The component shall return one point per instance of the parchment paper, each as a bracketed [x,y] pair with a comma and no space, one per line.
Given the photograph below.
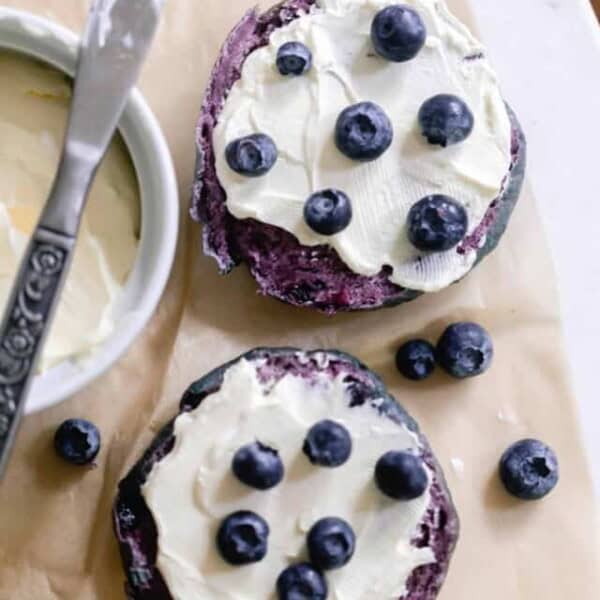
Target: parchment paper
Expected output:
[55,529]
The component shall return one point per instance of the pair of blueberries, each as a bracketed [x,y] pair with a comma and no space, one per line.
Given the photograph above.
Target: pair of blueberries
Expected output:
[242,537]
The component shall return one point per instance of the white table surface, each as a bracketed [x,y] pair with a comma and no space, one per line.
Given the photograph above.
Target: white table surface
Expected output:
[547,55]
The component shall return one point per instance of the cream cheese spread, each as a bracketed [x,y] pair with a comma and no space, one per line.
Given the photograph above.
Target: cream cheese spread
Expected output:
[192,489]
[299,113]
[34,101]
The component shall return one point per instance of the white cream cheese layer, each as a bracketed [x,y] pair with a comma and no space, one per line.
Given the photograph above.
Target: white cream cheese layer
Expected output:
[34,101]
[192,489]
[299,113]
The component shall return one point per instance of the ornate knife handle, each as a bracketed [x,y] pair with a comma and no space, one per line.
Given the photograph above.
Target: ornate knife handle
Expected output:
[28,316]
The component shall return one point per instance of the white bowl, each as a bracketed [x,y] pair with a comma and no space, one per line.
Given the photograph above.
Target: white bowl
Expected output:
[57,46]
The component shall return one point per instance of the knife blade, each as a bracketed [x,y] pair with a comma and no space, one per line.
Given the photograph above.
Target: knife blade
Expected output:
[116,40]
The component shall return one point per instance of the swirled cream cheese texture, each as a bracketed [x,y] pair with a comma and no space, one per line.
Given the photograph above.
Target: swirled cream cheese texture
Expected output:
[192,489]
[299,113]
[34,101]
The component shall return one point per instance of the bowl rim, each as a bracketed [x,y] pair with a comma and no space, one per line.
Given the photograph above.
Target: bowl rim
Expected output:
[53,44]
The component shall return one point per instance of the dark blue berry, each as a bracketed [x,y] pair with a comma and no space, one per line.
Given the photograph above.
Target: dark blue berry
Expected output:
[363,131]
[328,212]
[529,469]
[401,475]
[331,543]
[252,156]
[465,350]
[398,33]
[437,223]
[416,359]
[446,120]
[258,466]
[328,444]
[294,58]
[301,582]
[77,441]
[242,538]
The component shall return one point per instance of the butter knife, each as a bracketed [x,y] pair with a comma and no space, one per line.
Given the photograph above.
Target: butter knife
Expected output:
[115,42]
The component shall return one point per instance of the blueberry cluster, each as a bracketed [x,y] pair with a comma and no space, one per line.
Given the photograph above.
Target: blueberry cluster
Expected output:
[242,537]
[464,350]
[363,132]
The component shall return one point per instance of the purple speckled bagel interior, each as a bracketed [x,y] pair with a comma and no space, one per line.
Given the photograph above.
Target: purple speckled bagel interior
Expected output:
[135,527]
[283,268]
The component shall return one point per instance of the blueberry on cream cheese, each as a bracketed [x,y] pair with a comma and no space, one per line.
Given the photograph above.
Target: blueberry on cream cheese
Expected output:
[529,469]
[328,444]
[401,475]
[301,582]
[398,33]
[416,359]
[328,212]
[363,131]
[465,350]
[445,120]
[77,441]
[437,223]
[252,156]
[242,538]
[331,542]
[258,466]
[294,58]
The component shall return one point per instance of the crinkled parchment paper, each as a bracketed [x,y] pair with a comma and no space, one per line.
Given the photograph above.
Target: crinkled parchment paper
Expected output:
[55,529]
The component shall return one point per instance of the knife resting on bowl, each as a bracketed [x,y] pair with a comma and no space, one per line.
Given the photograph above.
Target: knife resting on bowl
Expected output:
[116,40]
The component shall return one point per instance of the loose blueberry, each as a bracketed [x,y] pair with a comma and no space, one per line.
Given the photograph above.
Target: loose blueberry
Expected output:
[398,33]
[294,58]
[328,444]
[401,475]
[465,350]
[252,156]
[258,466]
[242,538]
[446,120]
[328,212]
[363,131]
[416,359]
[437,223]
[77,441]
[529,470]
[331,543]
[301,582]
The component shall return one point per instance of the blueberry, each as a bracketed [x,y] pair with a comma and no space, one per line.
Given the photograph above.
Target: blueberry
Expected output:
[465,350]
[301,582]
[529,470]
[445,120]
[252,156]
[363,131]
[77,441]
[331,543]
[328,444]
[401,475]
[437,223]
[242,538]
[328,212]
[416,359]
[258,466]
[294,58]
[398,33]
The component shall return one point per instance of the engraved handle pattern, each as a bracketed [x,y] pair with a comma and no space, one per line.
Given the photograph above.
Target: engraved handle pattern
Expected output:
[26,320]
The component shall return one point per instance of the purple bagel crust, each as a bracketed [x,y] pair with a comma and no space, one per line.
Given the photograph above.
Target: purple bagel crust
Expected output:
[135,527]
[283,268]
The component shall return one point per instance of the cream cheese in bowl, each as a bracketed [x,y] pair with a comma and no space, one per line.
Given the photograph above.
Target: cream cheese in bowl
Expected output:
[34,101]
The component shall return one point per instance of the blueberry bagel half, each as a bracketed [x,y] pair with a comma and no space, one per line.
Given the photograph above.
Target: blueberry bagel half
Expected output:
[356,508]
[314,174]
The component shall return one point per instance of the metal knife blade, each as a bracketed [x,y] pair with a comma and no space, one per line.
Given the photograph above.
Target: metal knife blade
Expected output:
[115,42]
